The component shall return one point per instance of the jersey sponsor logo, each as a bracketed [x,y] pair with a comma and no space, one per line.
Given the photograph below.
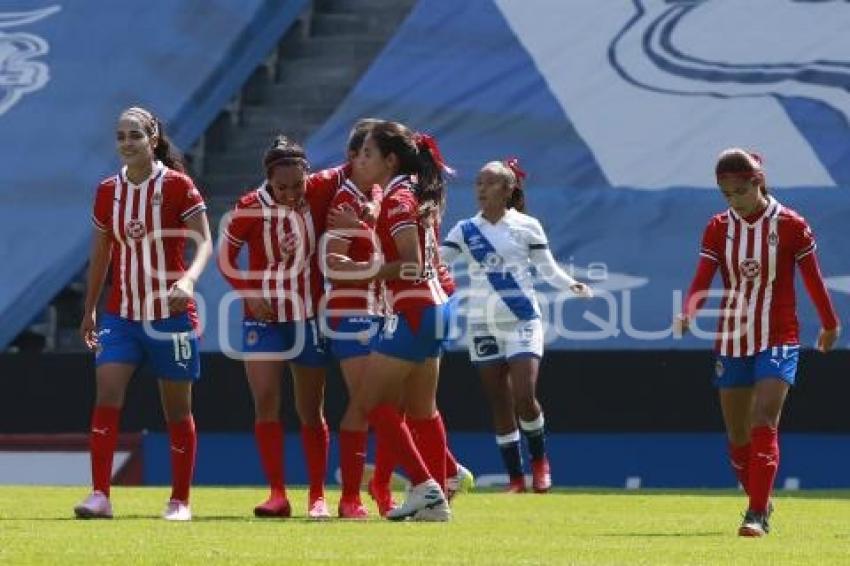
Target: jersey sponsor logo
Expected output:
[20,74]
[750,268]
[135,229]
[485,346]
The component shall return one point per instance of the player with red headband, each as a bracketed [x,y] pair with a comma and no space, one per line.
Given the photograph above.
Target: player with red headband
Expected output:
[414,330]
[501,244]
[281,223]
[142,217]
[756,244]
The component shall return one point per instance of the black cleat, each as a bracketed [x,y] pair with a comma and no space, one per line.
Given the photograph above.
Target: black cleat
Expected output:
[754,524]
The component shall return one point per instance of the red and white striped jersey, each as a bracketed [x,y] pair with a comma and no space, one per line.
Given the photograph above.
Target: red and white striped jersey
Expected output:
[147,226]
[756,257]
[287,275]
[353,299]
[400,210]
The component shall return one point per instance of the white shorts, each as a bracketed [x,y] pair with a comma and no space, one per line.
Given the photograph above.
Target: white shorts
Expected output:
[501,341]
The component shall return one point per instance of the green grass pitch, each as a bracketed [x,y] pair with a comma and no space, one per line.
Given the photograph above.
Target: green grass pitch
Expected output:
[563,527]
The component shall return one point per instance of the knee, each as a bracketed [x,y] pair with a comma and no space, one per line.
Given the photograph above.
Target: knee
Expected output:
[527,408]
[310,414]
[764,415]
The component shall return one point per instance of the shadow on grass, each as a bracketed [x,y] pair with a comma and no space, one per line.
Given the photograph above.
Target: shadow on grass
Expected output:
[664,535]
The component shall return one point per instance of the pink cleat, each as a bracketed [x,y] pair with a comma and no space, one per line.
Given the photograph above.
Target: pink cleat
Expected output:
[318,509]
[541,479]
[177,511]
[95,506]
[383,497]
[276,505]
[352,508]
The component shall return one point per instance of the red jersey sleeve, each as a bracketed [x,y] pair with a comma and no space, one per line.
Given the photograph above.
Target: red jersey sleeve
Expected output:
[101,216]
[322,188]
[711,247]
[804,239]
[234,235]
[401,211]
[191,201]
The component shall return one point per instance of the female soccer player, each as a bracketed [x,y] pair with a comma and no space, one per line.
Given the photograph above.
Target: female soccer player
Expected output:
[281,222]
[413,333]
[501,243]
[142,217]
[354,312]
[756,243]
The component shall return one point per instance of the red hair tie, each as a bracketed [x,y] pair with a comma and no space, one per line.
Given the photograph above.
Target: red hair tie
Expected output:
[512,163]
[428,141]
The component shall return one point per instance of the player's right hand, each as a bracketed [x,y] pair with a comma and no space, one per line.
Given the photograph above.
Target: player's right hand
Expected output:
[680,325]
[260,309]
[88,331]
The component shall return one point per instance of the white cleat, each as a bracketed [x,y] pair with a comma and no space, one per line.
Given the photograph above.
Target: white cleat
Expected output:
[461,483]
[177,511]
[424,502]
[95,506]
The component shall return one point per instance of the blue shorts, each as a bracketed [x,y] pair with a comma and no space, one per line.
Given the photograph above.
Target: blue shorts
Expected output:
[169,346]
[298,341]
[352,336]
[778,361]
[398,339]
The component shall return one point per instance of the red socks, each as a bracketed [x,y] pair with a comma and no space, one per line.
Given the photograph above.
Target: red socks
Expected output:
[102,441]
[315,440]
[739,459]
[352,458]
[183,447]
[430,438]
[392,432]
[764,462]
[451,463]
[269,436]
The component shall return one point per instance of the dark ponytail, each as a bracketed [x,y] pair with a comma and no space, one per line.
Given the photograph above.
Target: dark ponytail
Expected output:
[515,179]
[167,153]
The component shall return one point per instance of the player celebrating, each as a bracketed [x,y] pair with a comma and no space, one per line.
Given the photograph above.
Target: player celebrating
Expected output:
[142,217]
[501,243]
[756,243]
[354,312]
[281,222]
[414,331]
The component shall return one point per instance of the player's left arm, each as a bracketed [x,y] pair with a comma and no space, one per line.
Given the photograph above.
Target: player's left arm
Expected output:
[806,258]
[542,259]
[195,220]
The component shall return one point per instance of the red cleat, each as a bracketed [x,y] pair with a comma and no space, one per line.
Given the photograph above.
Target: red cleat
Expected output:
[383,497]
[516,485]
[541,479]
[274,506]
[352,509]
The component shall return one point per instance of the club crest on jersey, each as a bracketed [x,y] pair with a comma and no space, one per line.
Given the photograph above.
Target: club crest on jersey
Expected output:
[19,73]
[750,268]
[135,229]
[493,261]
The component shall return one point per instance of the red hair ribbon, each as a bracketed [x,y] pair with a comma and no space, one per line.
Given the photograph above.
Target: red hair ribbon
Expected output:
[428,141]
[512,163]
